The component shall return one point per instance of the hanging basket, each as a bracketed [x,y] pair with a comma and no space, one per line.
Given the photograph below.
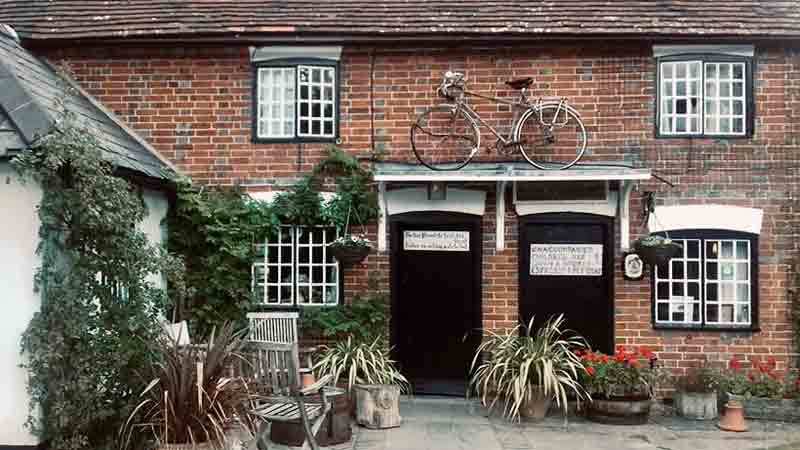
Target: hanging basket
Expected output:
[657,250]
[349,255]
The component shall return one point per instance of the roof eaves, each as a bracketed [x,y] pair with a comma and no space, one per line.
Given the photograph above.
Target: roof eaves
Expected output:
[30,118]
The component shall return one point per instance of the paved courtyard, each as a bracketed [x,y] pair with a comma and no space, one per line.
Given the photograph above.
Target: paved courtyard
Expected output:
[455,424]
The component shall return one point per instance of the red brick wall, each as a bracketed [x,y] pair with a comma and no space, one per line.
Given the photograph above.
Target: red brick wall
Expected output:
[194,105]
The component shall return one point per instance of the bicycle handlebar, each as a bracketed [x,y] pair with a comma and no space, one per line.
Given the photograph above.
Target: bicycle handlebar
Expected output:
[450,79]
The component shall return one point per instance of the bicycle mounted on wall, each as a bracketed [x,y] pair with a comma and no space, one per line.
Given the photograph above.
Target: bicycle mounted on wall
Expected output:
[548,133]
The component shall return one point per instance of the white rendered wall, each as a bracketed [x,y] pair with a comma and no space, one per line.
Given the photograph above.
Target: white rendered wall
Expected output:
[154,225]
[19,228]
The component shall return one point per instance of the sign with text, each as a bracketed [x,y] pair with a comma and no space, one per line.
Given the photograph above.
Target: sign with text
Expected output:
[442,241]
[567,259]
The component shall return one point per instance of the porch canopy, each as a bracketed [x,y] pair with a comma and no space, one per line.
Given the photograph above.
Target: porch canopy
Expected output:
[502,173]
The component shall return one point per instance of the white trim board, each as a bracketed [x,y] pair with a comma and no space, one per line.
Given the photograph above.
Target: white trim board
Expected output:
[603,208]
[399,201]
[722,217]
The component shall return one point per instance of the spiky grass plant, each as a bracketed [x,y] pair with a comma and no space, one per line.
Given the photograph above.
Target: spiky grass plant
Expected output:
[191,397]
[360,362]
[522,364]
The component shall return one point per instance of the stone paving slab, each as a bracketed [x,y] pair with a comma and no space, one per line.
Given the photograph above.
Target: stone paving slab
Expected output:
[431,423]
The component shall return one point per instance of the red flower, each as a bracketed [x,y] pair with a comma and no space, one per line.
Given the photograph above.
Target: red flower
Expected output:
[772,362]
[734,364]
[633,363]
[620,349]
[751,376]
[620,357]
[590,371]
[588,356]
[646,353]
[604,359]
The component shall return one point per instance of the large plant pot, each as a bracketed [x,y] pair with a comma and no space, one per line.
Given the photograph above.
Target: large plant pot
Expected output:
[619,411]
[378,405]
[349,255]
[697,405]
[236,439]
[784,410]
[537,407]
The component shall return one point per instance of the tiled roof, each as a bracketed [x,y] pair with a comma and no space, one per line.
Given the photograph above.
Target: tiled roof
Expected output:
[29,88]
[92,19]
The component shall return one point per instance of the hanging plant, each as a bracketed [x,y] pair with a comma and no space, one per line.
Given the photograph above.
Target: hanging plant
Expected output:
[350,249]
[657,250]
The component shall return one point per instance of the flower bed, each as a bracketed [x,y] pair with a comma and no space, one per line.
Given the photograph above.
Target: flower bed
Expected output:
[763,392]
[621,385]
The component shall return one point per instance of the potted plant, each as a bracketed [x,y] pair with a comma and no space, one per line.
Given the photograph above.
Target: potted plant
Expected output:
[696,395]
[657,250]
[190,402]
[350,249]
[368,372]
[621,386]
[763,392]
[525,369]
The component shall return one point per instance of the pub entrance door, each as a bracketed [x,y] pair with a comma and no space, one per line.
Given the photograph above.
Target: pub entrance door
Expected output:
[566,267]
[436,292]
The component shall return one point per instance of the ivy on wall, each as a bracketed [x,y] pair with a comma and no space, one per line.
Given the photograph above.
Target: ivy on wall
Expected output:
[98,308]
[214,229]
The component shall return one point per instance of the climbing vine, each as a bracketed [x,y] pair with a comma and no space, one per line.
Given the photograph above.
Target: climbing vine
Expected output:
[214,229]
[98,304]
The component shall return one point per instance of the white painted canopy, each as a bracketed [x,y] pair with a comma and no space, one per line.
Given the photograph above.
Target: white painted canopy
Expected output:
[720,217]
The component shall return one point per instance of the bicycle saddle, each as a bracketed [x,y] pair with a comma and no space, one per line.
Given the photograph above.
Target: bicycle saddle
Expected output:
[520,83]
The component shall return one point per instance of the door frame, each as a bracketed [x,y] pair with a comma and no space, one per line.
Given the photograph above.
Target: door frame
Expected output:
[571,218]
[396,221]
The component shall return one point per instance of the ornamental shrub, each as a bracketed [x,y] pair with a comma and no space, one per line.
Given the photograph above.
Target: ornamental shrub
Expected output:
[98,307]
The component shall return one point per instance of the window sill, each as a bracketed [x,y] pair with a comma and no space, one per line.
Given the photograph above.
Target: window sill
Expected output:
[715,137]
[333,140]
[711,328]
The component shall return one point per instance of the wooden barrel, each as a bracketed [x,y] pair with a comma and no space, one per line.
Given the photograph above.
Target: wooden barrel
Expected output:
[619,411]
[336,429]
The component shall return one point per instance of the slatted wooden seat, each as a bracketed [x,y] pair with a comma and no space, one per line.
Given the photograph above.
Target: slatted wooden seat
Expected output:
[271,370]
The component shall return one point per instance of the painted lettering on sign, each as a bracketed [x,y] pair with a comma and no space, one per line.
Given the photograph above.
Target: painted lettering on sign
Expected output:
[444,241]
[567,259]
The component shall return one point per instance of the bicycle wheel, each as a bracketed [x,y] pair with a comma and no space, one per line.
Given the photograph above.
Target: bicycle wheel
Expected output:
[444,138]
[551,138]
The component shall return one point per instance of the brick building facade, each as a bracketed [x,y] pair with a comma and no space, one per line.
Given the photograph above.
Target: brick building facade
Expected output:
[193,101]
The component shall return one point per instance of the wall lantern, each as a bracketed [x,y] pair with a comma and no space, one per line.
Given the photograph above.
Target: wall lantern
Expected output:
[437,190]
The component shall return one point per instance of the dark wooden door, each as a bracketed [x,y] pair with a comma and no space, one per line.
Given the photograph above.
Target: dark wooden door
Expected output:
[569,276]
[436,304]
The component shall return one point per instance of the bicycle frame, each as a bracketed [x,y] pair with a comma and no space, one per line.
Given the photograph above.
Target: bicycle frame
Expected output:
[523,104]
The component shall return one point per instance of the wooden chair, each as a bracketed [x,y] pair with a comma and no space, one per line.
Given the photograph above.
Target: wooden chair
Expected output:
[271,370]
[278,327]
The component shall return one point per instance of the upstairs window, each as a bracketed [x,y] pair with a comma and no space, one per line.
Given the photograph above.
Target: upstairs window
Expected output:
[296,96]
[705,95]
[712,285]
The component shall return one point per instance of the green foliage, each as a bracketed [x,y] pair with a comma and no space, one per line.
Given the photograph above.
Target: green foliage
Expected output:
[628,373]
[360,362]
[214,229]
[761,381]
[356,202]
[98,308]
[172,411]
[702,380]
[521,364]
[365,318]
[301,205]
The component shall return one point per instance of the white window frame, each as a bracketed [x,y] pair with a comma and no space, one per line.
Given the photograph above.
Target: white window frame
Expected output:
[667,102]
[328,107]
[288,241]
[711,274]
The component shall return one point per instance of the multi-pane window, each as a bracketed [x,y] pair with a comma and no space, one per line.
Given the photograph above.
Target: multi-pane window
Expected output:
[703,98]
[294,267]
[296,102]
[711,284]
